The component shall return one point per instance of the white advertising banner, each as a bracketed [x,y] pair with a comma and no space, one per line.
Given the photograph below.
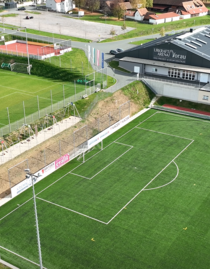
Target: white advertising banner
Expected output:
[98,138]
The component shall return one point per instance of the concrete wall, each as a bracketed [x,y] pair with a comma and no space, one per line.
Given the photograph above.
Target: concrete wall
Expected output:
[138,17]
[175,18]
[130,66]
[201,98]
[156,70]
[185,16]
[156,21]
[174,90]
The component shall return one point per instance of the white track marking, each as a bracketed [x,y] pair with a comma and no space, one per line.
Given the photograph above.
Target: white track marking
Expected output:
[163,133]
[149,183]
[72,210]
[177,168]
[20,256]
[123,144]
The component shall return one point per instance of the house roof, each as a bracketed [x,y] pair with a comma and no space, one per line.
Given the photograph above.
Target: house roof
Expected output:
[59,1]
[160,7]
[192,7]
[110,4]
[168,2]
[142,11]
[184,12]
[130,13]
[125,5]
[163,16]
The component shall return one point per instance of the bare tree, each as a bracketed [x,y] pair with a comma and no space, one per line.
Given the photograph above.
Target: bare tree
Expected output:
[118,10]
[80,3]
[162,31]
[93,5]
[138,3]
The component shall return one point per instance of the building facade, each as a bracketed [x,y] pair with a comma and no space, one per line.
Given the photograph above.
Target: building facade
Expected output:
[182,59]
[63,6]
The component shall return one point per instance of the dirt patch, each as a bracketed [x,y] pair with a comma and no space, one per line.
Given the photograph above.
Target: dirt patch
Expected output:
[106,113]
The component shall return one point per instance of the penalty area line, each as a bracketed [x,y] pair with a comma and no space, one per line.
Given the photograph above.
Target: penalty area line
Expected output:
[149,183]
[72,210]
[21,256]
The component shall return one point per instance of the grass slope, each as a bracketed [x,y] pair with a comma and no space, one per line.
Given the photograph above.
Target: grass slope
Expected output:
[148,232]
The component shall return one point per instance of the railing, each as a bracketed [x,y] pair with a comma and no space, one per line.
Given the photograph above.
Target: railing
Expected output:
[182,112]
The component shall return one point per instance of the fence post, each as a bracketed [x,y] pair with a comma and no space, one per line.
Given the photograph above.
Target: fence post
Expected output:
[8,119]
[75,90]
[63,96]
[38,106]
[51,101]
[24,112]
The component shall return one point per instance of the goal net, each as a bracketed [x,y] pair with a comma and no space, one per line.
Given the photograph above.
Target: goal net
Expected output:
[21,68]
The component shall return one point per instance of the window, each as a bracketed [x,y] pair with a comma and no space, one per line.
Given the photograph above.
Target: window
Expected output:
[205,97]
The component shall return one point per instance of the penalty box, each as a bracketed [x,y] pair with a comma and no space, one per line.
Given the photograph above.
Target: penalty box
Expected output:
[111,179]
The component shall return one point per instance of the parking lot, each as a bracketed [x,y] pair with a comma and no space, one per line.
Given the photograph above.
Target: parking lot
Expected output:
[63,24]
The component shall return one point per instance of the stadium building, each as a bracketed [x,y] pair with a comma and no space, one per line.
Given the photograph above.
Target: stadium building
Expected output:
[176,66]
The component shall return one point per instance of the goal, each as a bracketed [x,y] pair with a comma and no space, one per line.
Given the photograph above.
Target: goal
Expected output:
[21,68]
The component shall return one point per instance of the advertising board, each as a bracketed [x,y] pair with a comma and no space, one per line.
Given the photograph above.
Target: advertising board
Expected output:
[169,55]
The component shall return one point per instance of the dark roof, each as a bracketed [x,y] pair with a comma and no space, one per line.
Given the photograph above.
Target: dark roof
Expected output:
[197,42]
[169,2]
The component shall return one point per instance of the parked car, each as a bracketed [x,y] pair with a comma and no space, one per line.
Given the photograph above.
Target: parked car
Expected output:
[113,52]
[119,50]
[21,8]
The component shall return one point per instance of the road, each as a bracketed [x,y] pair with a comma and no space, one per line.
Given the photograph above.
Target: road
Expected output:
[122,78]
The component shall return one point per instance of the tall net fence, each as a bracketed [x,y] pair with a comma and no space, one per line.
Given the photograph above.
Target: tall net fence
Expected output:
[74,144]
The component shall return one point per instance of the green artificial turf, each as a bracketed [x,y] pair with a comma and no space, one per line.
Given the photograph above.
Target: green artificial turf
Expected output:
[132,224]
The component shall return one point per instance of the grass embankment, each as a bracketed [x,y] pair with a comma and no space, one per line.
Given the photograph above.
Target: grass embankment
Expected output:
[10,15]
[138,93]
[146,29]
[115,64]
[141,41]
[3,266]
[33,12]
[186,104]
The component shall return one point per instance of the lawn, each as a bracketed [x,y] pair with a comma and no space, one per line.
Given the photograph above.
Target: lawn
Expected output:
[47,77]
[141,202]
[142,29]
[141,41]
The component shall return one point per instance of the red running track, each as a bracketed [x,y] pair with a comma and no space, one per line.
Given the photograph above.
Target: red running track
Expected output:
[32,49]
[187,109]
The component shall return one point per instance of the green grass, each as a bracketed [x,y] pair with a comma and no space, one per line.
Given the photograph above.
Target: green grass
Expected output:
[3,266]
[186,104]
[141,41]
[46,76]
[148,232]
[146,29]
[33,12]
[10,15]
[115,64]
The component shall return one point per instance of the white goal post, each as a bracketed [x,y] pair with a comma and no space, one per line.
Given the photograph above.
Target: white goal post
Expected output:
[21,68]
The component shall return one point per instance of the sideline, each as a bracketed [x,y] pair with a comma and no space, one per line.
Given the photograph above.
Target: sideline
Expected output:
[8,264]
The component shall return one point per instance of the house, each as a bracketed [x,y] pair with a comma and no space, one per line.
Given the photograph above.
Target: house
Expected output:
[60,5]
[184,15]
[193,8]
[139,15]
[163,18]
[109,6]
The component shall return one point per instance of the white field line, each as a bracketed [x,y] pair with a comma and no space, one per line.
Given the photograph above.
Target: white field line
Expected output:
[16,208]
[2,124]
[72,210]
[76,167]
[7,95]
[177,168]
[124,144]
[149,183]
[80,176]
[164,133]
[21,256]
[187,117]
[107,165]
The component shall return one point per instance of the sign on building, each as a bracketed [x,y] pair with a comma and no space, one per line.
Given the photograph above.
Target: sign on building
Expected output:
[169,55]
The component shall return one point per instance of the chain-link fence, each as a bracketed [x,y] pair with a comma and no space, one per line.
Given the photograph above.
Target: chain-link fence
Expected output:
[73,144]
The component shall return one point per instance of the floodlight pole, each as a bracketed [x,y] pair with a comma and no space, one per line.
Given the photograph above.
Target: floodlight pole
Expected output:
[36,218]
[27,52]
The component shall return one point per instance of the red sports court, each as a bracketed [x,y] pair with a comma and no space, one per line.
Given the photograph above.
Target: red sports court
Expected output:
[39,50]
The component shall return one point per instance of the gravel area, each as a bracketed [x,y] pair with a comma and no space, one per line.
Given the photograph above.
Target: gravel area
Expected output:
[60,24]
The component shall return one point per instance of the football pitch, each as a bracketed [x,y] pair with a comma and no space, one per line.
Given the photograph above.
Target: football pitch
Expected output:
[16,88]
[140,202]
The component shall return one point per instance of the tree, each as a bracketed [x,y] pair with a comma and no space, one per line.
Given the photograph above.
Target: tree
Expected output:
[93,5]
[80,3]
[162,31]
[149,3]
[138,3]
[118,11]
